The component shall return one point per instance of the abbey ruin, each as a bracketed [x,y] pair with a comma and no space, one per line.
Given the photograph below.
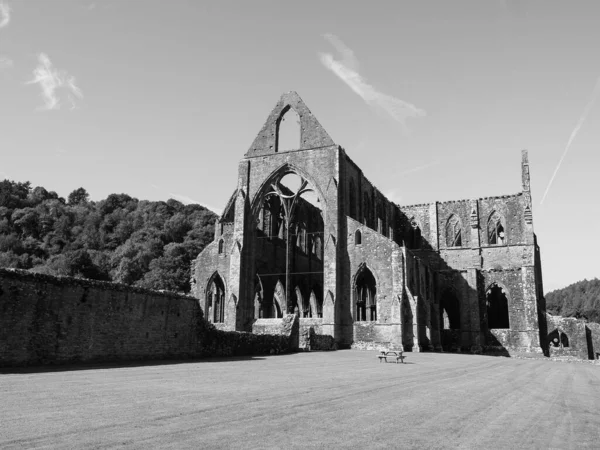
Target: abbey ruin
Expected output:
[306,232]
[308,254]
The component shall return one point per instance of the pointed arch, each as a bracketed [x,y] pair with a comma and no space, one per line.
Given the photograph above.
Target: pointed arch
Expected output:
[264,143]
[279,300]
[214,305]
[364,289]
[258,298]
[453,231]
[496,229]
[449,310]
[288,131]
[316,303]
[414,234]
[558,338]
[276,175]
[497,306]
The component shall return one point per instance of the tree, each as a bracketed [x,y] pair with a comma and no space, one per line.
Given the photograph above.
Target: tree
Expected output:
[79,195]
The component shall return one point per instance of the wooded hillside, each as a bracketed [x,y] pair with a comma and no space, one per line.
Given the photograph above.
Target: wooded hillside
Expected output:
[581,300]
[122,239]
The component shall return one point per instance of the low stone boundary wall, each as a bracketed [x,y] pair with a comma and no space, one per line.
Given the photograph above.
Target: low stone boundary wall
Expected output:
[58,320]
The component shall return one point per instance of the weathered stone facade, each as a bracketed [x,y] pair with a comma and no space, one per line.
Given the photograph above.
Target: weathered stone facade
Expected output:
[461,275]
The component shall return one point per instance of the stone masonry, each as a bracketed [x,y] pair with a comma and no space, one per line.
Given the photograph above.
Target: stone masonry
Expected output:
[459,275]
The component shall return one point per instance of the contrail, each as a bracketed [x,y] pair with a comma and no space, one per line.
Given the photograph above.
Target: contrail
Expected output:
[587,109]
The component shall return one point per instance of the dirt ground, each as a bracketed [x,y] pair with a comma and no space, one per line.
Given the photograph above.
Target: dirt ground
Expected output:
[344,399]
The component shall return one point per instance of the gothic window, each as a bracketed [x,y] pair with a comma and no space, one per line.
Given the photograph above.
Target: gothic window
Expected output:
[453,232]
[450,310]
[221,246]
[414,235]
[366,299]
[497,307]
[352,200]
[288,131]
[558,338]
[496,233]
[357,238]
[316,304]
[215,300]
[366,211]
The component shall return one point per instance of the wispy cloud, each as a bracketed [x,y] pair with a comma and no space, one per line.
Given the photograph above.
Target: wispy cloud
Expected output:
[6,63]
[50,80]
[4,14]
[394,196]
[187,200]
[574,133]
[421,167]
[347,71]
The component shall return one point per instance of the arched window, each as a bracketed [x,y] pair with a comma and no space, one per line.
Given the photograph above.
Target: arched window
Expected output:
[496,233]
[318,247]
[288,130]
[414,235]
[558,338]
[453,232]
[352,199]
[365,293]
[215,300]
[316,304]
[357,238]
[221,246]
[449,310]
[497,307]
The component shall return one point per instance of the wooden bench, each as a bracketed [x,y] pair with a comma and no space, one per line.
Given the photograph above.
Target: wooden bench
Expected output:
[392,354]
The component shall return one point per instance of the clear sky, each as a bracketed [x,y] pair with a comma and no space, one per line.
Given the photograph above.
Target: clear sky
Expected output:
[434,100]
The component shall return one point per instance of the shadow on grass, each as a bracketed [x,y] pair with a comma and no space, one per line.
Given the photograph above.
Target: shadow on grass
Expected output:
[96,365]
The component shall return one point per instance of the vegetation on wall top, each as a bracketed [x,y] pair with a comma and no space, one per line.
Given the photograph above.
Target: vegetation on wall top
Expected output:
[580,300]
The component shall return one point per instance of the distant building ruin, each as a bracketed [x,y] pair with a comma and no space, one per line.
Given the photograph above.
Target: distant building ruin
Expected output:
[306,232]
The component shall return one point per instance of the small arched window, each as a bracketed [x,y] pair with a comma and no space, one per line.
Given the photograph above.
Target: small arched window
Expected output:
[453,232]
[221,246]
[357,238]
[558,339]
[496,230]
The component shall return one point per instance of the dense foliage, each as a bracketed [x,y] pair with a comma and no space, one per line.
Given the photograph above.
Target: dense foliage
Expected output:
[122,239]
[581,300]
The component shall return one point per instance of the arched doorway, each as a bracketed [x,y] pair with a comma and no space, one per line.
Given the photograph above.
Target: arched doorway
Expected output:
[365,296]
[497,307]
[214,306]
[450,319]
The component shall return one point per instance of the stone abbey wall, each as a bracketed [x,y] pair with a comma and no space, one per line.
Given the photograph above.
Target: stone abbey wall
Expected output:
[428,277]
[55,320]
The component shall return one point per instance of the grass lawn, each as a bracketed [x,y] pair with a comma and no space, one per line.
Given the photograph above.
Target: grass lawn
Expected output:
[344,399]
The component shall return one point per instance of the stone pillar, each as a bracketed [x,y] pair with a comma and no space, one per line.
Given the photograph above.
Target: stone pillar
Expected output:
[236,269]
[530,338]
[415,323]
[475,316]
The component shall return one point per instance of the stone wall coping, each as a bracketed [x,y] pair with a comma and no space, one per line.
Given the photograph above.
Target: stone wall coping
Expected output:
[25,275]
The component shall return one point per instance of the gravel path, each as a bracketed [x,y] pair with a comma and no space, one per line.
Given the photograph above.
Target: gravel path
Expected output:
[344,399]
